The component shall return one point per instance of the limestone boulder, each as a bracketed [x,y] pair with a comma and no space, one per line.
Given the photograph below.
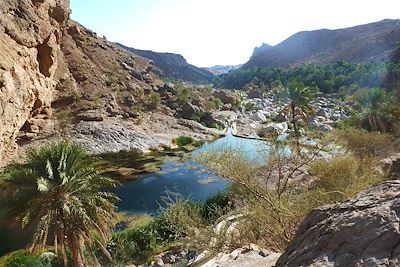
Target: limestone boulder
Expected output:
[363,231]
[258,117]
[189,110]
[227,97]
[255,94]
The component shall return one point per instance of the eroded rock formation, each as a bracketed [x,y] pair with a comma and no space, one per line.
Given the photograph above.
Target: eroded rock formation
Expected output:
[30,33]
[363,231]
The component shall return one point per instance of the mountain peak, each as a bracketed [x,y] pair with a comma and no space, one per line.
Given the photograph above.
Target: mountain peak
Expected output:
[358,44]
[260,49]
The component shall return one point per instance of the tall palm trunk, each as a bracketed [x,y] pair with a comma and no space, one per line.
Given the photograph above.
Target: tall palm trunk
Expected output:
[296,131]
[76,250]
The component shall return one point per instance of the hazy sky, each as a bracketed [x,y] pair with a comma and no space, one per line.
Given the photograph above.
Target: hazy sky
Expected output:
[211,32]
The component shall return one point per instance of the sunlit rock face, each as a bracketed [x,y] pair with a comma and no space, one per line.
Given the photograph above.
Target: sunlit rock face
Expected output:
[362,231]
[30,34]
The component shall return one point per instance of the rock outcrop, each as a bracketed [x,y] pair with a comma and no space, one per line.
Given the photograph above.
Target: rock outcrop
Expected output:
[391,166]
[363,231]
[30,38]
[110,136]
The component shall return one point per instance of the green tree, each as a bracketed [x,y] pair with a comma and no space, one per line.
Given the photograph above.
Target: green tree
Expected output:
[59,191]
[298,98]
[374,102]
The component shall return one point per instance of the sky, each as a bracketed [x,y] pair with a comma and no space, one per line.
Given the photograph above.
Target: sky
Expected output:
[220,32]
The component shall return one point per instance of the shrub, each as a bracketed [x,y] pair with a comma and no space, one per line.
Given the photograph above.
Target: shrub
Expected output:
[183,140]
[178,220]
[202,116]
[137,243]
[249,106]
[155,99]
[217,205]
[218,103]
[343,177]
[182,93]
[23,259]
[365,144]
[236,105]
[122,154]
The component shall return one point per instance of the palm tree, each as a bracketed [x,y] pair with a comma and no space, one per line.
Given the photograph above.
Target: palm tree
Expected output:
[298,98]
[375,102]
[60,192]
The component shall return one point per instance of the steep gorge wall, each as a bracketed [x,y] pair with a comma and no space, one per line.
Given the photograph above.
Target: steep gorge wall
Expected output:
[30,34]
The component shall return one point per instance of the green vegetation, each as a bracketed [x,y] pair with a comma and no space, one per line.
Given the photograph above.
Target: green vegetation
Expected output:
[342,178]
[59,191]
[249,106]
[202,116]
[155,99]
[299,97]
[379,109]
[364,144]
[22,258]
[177,225]
[183,140]
[337,77]
[182,93]
[218,103]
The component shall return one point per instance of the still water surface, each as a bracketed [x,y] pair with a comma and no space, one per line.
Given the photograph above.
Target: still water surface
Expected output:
[178,177]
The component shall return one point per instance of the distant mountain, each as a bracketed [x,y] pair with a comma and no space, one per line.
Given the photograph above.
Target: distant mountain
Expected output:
[261,49]
[173,66]
[373,41]
[221,69]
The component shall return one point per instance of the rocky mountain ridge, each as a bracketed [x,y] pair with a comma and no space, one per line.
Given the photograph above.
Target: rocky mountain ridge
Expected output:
[221,69]
[173,66]
[260,49]
[359,44]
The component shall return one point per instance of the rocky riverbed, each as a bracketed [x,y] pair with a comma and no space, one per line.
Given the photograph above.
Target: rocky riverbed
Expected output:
[266,114]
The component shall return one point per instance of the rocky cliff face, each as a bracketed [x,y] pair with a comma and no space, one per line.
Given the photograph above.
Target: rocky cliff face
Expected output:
[373,41]
[30,39]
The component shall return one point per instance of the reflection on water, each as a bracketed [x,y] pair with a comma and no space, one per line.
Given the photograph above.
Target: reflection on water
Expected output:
[188,180]
[182,178]
[178,177]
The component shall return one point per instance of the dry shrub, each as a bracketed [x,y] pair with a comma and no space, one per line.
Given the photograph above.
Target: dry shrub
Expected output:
[343,177]
[275,201]
[366,144]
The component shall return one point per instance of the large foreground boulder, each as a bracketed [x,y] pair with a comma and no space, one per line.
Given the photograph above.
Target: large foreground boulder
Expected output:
[363,231]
